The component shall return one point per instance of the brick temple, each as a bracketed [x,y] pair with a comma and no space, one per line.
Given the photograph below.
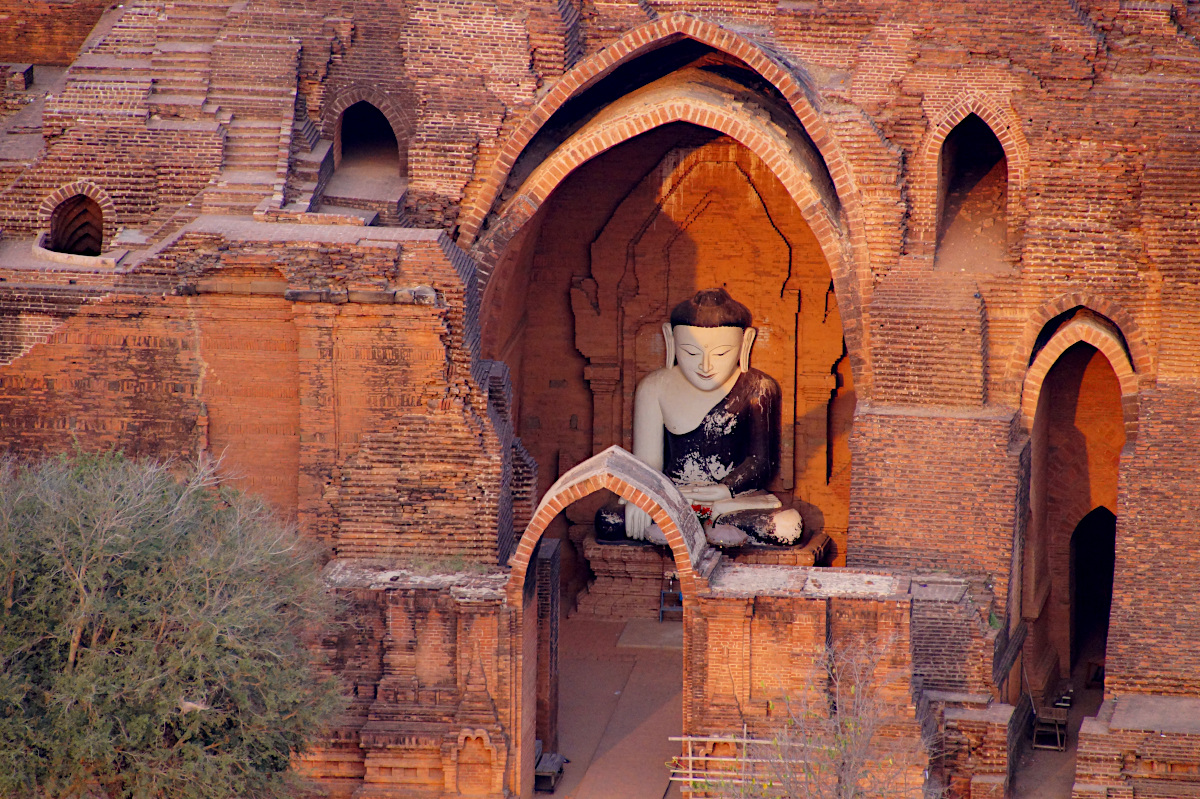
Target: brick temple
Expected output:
[401,263]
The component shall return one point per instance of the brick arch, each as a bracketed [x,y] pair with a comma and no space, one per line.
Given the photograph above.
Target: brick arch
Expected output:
[1135,339]
[1100,333]
[396,115]
[625,475]
[924,179]
[638,41]
[642,113]
[108,209]
[705,106]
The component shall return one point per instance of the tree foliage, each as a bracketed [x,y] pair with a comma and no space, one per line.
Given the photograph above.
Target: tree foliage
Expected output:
[152,634]
[854,735]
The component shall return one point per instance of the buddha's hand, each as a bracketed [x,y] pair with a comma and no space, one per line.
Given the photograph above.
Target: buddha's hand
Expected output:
[636,521]
[700,494]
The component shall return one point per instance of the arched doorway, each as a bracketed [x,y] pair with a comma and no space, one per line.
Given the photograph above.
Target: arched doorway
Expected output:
[1077,438]
[77,226]
[632,700]
[369,160]
[1093,558]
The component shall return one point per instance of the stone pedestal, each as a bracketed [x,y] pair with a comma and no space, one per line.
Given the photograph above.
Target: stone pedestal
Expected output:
[628,579]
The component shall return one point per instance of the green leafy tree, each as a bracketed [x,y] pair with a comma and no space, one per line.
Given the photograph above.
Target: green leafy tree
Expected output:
[153,635]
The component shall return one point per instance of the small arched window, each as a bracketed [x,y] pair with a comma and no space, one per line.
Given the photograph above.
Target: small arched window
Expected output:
[77,226]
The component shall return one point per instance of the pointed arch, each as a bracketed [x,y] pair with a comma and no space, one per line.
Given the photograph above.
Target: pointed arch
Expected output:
[926,171]
[397,116]
[1100,333]
[720,104]
[84,188]
[789,81]
[623,474]
[1134,338]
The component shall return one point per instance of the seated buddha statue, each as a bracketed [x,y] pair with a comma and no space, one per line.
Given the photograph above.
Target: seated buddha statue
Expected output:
[710,423]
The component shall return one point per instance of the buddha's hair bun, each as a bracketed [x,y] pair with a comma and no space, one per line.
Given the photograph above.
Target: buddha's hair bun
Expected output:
[711,308]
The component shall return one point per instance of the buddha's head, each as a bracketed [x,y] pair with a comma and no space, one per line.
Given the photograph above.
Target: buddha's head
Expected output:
[709,336]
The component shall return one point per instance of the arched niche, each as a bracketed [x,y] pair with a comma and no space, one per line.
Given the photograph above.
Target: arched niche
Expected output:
[577,313]
[365,136]
[972,199]
[370,132]
[77,227]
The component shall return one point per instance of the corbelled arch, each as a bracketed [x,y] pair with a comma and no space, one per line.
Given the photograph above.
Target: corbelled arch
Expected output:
[638,41]
[108,209]
[1100,333]
[721,105]
[625,475]
[925,174]
[848,260]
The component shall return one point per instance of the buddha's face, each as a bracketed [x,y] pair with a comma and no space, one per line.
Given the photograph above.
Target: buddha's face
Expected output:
[708,356]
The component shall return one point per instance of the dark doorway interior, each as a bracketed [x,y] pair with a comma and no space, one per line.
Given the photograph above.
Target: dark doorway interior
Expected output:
[367,135]
[77,226]
[1093,557]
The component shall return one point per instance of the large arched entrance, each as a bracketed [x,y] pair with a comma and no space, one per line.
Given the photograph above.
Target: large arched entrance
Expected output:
[683,169]
[1078,434]
[1078,390]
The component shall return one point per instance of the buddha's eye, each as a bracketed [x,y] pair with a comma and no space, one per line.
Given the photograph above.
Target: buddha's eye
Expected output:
[719,351]
[691,350]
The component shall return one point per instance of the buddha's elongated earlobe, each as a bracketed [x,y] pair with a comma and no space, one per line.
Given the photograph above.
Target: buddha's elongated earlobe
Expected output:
[669,338]
[747,343]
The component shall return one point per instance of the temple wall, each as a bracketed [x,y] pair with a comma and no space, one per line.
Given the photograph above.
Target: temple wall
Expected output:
[47,32]
[341,370]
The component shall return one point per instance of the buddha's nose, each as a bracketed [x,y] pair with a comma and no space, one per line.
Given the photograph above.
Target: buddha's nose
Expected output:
[706,362]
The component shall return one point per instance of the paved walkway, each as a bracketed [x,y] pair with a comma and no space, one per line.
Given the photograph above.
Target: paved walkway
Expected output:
[619,702]
[1046,774]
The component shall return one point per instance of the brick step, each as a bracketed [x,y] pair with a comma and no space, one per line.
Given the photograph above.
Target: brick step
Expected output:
[305,132]
[312,165]
[189,36]
[186,48]
[185,106]
[222,85]
[236,198]
[249,106]
[208,14]
[178,89]
[180,59]
[250,159]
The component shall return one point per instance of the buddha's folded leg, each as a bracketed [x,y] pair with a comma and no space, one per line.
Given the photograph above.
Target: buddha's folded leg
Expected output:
[779,526]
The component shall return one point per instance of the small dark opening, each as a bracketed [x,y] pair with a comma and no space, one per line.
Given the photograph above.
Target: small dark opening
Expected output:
[367,135]
[77,226]
[1093,559]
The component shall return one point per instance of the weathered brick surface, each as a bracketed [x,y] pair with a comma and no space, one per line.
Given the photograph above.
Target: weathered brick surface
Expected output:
[47,32]
[793,151]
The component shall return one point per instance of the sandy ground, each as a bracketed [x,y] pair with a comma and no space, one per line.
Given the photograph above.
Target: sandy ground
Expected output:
[619,703]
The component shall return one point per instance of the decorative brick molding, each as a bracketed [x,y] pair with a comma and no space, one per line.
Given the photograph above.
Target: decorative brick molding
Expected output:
[1104,336]
[87,189]
[623,474]
[638,41]
[925,177]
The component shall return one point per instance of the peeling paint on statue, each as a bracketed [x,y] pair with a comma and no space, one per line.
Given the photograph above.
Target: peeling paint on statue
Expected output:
[710,423]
